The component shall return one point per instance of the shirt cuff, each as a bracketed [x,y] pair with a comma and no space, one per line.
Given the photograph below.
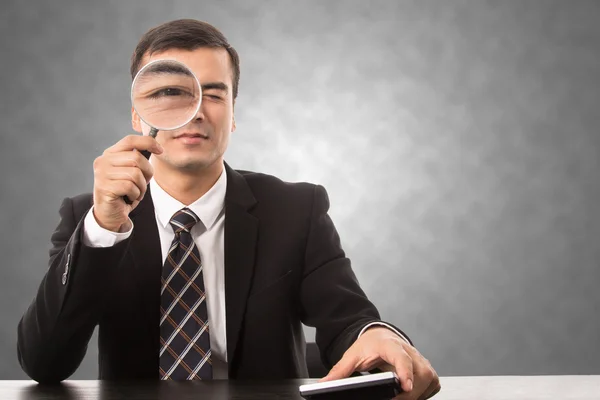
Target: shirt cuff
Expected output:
[96,236]
[383,324]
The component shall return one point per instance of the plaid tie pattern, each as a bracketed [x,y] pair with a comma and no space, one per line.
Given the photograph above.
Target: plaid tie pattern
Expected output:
[184,335]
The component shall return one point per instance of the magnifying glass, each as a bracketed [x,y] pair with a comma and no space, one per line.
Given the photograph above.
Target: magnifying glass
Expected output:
[166,95]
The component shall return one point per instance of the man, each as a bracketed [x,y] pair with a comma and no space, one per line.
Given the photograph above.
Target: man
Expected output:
[210,272]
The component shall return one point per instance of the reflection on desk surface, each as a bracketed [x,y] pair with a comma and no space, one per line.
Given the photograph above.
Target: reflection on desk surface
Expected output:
[578,387]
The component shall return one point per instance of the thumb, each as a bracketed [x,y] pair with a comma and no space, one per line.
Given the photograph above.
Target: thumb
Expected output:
[343,369]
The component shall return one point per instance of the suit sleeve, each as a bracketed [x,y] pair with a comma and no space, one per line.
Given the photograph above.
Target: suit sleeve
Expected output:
[331,297]
[53,334]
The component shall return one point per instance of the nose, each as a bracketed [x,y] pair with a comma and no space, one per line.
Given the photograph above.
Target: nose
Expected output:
[199,117]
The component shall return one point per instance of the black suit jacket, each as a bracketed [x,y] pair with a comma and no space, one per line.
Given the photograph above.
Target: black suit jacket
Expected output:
[284,266]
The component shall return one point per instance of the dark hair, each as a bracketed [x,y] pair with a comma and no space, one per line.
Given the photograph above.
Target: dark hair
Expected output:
[186,34]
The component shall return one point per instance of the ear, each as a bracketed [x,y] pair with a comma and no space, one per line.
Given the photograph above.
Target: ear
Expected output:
[232,123]
[135,121]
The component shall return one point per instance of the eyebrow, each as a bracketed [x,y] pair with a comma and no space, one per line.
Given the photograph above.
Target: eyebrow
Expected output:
[161,68]
[215,85]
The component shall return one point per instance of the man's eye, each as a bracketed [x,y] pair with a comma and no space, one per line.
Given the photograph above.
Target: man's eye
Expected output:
[166,92]
[213,96]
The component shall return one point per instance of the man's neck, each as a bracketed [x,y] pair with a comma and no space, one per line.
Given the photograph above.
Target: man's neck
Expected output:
[187,187]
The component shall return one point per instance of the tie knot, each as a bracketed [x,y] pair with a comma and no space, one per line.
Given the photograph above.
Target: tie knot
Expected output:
[183,220]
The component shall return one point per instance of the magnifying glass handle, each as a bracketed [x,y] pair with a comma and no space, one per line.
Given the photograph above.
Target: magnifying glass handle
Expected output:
[146,154]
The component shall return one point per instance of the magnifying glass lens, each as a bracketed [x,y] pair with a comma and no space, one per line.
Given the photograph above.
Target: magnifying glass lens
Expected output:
[166,94]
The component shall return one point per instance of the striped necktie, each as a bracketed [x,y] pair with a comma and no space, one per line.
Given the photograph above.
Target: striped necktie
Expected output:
[184,335]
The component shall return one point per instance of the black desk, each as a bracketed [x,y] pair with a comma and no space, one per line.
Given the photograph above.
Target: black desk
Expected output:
[92,390]
[578,387]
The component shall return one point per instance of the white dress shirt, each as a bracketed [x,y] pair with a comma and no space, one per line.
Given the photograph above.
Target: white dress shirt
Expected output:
[208,234]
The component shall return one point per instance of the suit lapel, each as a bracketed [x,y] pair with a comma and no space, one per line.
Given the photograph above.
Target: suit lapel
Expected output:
[145,240]
[241,231]
[146,254]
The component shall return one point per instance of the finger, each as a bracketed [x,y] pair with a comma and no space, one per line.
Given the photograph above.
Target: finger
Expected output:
[403,366]
[132,174]
[429,375]
[126,188]
[432,390]
[109,189]
[343,369]
[136,142]
[131,159]
[426,379]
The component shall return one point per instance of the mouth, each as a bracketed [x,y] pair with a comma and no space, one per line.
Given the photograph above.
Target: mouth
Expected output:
[192,136]
[192,139]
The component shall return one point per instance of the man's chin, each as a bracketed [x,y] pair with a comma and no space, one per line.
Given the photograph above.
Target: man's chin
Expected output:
[191,165]
[187,163]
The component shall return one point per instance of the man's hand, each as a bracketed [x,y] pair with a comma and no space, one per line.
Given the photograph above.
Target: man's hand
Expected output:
[381,348]
[119,172]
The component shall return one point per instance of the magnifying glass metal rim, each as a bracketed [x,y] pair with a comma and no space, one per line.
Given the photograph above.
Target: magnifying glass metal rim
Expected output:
[158,128]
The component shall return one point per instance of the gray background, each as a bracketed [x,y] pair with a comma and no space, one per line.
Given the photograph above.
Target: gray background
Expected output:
[458,141]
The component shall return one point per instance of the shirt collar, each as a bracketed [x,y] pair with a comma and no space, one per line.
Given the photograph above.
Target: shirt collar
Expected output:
[207,208]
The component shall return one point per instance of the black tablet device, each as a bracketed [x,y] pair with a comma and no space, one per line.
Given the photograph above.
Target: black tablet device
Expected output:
[380,386]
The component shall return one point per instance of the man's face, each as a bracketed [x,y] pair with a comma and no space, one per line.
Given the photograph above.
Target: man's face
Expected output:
[214,120]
